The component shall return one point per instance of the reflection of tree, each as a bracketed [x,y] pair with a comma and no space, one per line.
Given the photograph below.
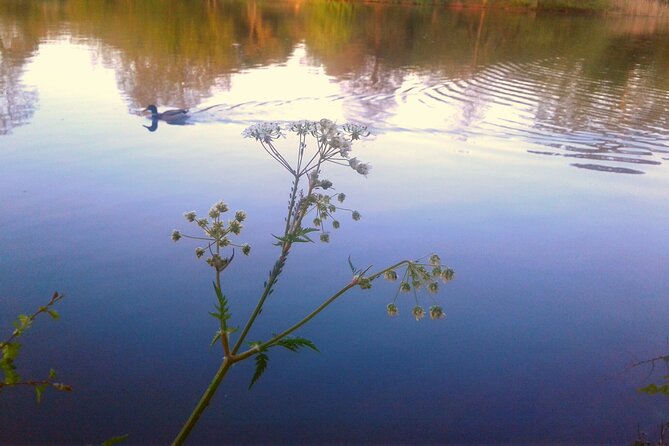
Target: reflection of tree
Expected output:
[173,53]
[17,103]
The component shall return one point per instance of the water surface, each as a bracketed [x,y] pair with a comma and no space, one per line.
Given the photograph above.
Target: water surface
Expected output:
[530,151]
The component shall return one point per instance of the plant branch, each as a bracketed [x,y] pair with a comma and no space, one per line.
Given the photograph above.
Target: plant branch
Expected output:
[56,385]
[313,314]
[44,309]
[224,325]
[204,401]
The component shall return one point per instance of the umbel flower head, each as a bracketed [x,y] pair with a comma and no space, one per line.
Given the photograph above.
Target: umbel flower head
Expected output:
[333,143]
[217,234]
[318,143]
[419,275]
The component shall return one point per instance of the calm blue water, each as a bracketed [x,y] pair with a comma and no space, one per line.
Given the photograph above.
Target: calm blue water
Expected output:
[561,261]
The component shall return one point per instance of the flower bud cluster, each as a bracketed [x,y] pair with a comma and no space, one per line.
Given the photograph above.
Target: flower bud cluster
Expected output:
[324,206]
[216,233]
[419,275]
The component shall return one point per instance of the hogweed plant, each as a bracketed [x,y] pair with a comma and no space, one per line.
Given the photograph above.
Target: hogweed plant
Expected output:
[312,209]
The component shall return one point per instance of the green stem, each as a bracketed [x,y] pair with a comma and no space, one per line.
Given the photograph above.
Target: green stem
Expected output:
[225,342]
[204,402]
[313,314]
[293,196]
[274,275]
[278,266]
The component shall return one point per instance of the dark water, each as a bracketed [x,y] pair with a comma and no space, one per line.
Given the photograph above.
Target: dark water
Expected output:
[530,151]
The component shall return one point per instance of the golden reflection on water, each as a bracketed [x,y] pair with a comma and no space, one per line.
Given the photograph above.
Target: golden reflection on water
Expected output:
[560,82]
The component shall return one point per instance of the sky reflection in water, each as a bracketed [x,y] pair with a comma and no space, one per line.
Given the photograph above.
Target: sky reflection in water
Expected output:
[561,272]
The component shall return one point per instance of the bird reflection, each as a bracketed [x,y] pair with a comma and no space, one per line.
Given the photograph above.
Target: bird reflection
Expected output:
[177,116]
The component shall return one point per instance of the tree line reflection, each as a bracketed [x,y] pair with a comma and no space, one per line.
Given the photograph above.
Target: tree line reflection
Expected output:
[178,53]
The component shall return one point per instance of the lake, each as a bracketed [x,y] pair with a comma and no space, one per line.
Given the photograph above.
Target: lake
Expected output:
[529,151]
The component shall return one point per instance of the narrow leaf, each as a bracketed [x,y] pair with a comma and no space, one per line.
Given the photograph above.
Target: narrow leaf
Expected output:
[217,336]
[351,265]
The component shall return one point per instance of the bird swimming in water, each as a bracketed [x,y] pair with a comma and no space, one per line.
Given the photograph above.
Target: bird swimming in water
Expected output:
[175,115]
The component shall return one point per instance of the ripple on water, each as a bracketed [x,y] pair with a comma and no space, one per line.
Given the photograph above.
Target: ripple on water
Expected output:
[551,105]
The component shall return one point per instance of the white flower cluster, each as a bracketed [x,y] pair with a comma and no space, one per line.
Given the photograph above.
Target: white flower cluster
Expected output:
[334,141]
[216,234]
[264,131]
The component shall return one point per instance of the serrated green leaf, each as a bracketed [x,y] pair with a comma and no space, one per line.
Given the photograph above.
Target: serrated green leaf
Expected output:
[223,313]
[261,365]
[294,344]
[10,351]
[115,440]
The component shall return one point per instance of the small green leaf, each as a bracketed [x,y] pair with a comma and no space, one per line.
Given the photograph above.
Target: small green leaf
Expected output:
[52,374]
[38,392]
[53,313]
[650,389]
[115,440]
[10,351]
[261,365]
[217,336]
[22,324]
